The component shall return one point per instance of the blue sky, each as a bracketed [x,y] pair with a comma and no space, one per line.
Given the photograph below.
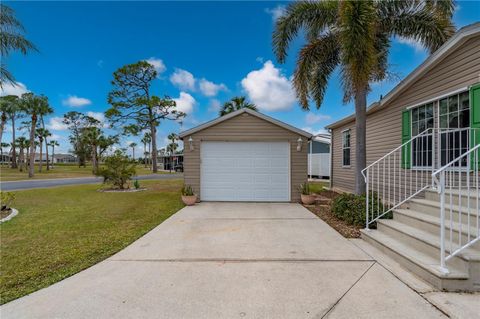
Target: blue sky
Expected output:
[206,53]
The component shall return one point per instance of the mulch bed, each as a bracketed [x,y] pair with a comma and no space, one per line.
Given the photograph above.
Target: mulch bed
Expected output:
[323,211]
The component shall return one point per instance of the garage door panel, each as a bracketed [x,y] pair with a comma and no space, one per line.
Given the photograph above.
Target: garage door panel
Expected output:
[245,171]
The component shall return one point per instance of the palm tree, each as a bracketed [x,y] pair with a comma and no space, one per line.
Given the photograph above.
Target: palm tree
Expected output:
[32,105]
[133,145]
[145,140]
[53,143]
[2,145]
[4,106]
[41,135]
[22,144]
[46,110]
[172,147]
[10,111]
[91,136]
[235,104]
[355,37]
[11,39]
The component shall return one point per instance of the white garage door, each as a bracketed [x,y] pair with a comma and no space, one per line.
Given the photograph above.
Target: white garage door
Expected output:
[245,171]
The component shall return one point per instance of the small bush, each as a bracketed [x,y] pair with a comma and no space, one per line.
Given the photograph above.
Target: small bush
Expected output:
[118,170]
[6,199]
[136,184]
[187,190]
[352,208]
[304,188]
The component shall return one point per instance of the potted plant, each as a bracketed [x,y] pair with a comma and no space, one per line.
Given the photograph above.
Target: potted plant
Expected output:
[188,197]
[306,194]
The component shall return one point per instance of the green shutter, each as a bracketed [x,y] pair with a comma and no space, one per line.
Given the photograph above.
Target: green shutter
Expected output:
[405,138]
[475,116]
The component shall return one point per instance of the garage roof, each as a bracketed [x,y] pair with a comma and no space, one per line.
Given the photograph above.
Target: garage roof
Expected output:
[251,112]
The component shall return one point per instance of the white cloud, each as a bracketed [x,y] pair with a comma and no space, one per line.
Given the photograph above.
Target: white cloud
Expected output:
[211,89]
[315,131]
[214,105]
[99,116]
[312,118]
[75,101]
[13,89]
[183,79]
[412,43]
[269,89]
[185,102]
[56,124]
[157,64]
[276,12]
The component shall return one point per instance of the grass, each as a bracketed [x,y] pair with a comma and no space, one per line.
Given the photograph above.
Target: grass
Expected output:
[61,231]
[59,171]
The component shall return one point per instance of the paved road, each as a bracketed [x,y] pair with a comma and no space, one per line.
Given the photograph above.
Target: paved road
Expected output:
[43,183]
[231,260]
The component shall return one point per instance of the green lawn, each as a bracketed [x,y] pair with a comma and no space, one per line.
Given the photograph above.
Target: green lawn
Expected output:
[61,231]
[59,171]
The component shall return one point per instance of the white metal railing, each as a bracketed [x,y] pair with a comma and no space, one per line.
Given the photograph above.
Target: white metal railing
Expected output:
[408,170]
[459,193]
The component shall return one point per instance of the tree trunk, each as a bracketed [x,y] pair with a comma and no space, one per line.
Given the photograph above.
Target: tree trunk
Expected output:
[2,125]
[360,139]
[149,154]
[31,167]
[53,154]
[41,149]
[46,145]
[145,155]
[21,159]
[94,159]
[14,152]
[133,153]
[153,129]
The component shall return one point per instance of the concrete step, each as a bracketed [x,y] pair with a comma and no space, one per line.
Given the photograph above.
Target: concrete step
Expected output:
[422,264]
[457,196]
[431,224]
[433,208]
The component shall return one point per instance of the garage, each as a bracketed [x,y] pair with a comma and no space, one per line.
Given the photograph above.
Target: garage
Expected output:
[245,156]
[245,171]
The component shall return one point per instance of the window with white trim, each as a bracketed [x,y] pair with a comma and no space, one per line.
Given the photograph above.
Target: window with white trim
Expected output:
[346,148]
[422,120]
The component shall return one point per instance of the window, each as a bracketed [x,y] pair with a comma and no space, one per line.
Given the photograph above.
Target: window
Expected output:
[346,147]
[454,119]
[422,120]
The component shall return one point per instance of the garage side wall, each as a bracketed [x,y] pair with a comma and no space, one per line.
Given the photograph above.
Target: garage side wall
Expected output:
[241,128]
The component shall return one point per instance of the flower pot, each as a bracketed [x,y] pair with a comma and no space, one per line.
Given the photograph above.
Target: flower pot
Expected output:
[308,199]
[189,200]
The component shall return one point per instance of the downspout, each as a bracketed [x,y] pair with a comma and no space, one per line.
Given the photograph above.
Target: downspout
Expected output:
[330,178]
[310,159]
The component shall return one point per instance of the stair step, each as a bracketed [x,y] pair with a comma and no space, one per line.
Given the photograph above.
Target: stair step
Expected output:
[431,224]
[433,208]
[431,242]
[423,264]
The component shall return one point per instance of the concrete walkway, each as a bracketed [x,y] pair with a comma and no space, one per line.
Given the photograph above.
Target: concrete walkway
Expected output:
[55,182]
[231,260]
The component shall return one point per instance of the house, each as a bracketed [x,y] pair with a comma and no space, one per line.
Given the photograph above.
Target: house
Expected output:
[319,156]
[64,158]
[170,161]
[423,154]
[245,156]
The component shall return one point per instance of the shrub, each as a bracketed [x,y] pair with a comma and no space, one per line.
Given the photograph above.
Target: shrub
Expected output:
[136,184]
[118,170]
[6,199]
[304,188]
[352,208]
[187,190]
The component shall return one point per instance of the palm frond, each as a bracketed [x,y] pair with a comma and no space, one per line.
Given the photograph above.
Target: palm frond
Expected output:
[316,62]
[314,16]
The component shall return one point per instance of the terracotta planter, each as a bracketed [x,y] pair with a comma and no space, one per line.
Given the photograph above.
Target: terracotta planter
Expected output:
[189,200]
[308,199]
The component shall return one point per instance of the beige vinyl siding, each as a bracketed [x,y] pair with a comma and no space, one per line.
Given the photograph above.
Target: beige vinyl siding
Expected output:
[245,127]
[459,69]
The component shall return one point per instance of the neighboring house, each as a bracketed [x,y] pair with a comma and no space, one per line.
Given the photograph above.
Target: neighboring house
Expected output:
[319,156]
[422,161]
[245,156]
[64,158]
[167,162]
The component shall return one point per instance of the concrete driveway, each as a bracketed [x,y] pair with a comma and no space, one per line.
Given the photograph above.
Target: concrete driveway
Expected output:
[231,260]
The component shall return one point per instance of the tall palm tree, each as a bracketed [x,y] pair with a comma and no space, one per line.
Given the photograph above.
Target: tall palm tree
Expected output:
[172,147]
[145,140]
[22,144]
[14,112]
[355,37]
[53,143]
[4,106]
[235,104]
[11,39]
[32,105]
[91,137]
[133,145]
[41,134]
[46,110]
